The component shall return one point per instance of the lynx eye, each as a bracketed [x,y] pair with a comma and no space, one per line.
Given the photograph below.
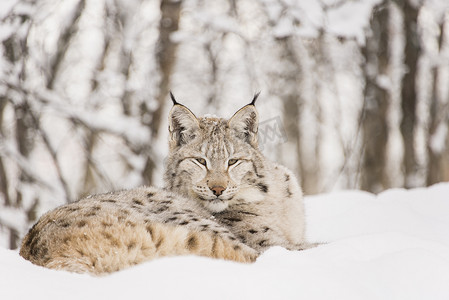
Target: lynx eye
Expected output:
[201,161]
[232,161]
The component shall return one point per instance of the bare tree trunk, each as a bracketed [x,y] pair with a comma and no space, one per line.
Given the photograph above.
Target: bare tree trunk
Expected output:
[165,55]
[408,92]
[292,101]
[63,44]
[437,144]
[3,179]
[311,172]
[374,122]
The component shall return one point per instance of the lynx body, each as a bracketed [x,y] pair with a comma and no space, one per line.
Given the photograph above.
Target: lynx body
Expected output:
[222,199]
[108,232]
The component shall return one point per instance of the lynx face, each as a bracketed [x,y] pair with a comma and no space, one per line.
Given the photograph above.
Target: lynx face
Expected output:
[214,160]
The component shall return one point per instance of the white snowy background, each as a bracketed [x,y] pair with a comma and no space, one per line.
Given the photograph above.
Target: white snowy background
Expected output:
[394,245]
[82,108]
[391,246]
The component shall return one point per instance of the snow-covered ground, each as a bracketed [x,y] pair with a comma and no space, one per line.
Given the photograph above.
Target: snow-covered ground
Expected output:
[391,246]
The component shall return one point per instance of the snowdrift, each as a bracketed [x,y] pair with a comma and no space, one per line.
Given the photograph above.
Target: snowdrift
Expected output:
[391,246]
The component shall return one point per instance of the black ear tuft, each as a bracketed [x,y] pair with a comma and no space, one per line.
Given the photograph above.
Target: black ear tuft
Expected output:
[173,98]
[256,95]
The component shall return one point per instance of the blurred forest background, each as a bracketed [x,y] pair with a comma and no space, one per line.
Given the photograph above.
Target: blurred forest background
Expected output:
[355,93]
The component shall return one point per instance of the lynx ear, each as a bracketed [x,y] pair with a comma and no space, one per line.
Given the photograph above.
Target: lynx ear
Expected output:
[245,123]
[182,125]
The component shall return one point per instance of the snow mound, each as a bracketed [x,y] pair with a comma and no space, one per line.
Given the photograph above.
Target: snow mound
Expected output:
[391,246]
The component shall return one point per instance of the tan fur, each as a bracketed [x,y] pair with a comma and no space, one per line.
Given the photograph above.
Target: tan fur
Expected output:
[225,201]
[261,202]
[109,232]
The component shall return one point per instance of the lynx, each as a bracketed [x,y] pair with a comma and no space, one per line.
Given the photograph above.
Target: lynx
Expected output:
[222,199]
[216,162]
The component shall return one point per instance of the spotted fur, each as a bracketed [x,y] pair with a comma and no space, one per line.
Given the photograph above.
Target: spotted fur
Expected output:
[108,232]
[261,202]
[222,199]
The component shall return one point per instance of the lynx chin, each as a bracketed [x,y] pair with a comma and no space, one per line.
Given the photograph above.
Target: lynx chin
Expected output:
[222,199]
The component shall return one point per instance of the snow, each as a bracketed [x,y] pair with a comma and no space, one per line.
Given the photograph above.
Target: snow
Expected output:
[391,246]
[351,18]
[13,218]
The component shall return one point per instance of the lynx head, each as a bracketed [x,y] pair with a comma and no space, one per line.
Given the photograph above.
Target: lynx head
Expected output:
[213,160]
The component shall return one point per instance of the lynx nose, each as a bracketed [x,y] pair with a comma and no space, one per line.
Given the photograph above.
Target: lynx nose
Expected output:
[217,190]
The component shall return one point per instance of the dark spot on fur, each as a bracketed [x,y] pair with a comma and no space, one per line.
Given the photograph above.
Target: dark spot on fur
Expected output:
[263,187]
[262,243]
[80,252]
[66,240]
[131,245]
[149,229]
[287,177]
[232,238]
[172,219]
[289,193]
[184,223]
[114,243]
[96,208]
[237,247]
[121,218]
[248,213]
[266,229]
[178,213]
[34,251]
[192,243]
[90,214]
[72,209]
[137,201]
[159,242]
[195,220]
[149,195]
[161,209]
[130,224]
[64,224]
[252,231]
[106,235]
[106,224]
[109,200]
[165,202]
